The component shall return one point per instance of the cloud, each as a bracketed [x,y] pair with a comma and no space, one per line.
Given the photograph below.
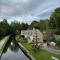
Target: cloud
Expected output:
[25,19]
[27,10]
[16,7]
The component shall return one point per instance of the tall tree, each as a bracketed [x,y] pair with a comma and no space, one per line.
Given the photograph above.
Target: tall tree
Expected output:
[37,38]
[55,20]
[43,25]
[24,26]
[4,27]
[34,24]
[14,26]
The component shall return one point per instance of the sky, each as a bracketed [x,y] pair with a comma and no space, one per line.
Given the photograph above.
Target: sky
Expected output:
[27,10]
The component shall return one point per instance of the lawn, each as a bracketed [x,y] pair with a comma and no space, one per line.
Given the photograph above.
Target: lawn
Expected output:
[41,54]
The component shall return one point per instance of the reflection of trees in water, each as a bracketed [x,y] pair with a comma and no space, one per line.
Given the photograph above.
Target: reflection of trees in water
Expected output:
[0,57]
[13,47]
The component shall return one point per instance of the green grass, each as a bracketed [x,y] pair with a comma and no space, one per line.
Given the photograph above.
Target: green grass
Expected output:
[41,54]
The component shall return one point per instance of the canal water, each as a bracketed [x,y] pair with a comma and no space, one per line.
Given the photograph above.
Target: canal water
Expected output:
[13,52]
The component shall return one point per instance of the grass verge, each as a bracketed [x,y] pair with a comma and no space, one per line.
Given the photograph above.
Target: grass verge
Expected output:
[40,54]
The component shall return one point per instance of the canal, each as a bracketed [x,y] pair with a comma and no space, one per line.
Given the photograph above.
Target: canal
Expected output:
[12,52]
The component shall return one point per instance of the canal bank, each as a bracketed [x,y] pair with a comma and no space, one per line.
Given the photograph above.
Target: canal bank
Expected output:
[3,43]
[26,52]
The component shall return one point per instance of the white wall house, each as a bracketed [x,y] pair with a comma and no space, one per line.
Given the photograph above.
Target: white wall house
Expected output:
[29,34]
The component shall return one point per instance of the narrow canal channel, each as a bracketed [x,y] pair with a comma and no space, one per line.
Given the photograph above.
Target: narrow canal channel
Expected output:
[12,52]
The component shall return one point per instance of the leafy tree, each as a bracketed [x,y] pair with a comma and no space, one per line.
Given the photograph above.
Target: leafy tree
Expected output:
[55,20]
[34,24]
[4,27]
[43,25]
[36,40]
[24,26]
[15,26]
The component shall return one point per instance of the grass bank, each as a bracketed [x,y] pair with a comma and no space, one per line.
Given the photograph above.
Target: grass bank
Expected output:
[41,54]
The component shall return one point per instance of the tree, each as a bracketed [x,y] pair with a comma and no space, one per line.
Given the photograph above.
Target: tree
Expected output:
[4,27]
[43,25]
[34,24]
[15,26]
[24,26]
[36,39]
[54,22]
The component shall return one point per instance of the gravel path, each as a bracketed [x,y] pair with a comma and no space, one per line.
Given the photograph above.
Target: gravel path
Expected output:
[52,50]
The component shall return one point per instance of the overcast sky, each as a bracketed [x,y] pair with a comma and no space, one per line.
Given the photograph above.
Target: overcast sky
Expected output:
[27,10]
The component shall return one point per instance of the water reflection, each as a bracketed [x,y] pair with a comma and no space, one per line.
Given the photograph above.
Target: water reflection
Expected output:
[12,51]
[14,47]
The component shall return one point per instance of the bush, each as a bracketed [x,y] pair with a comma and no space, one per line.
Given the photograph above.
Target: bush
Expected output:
[57,37]
[58,42]
[57,32]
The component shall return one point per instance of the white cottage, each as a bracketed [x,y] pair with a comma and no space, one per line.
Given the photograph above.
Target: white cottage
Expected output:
[29,34]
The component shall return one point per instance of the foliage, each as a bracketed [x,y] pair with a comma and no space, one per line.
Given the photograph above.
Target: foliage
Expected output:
[21,39]
[4,28]
[55,20]
[34,24]
[35,40]
[57,38]
[13,28]
[41,25]
[24,26]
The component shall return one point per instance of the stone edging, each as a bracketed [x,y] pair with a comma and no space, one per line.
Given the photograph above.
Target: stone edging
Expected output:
[4,45]
[26,52]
